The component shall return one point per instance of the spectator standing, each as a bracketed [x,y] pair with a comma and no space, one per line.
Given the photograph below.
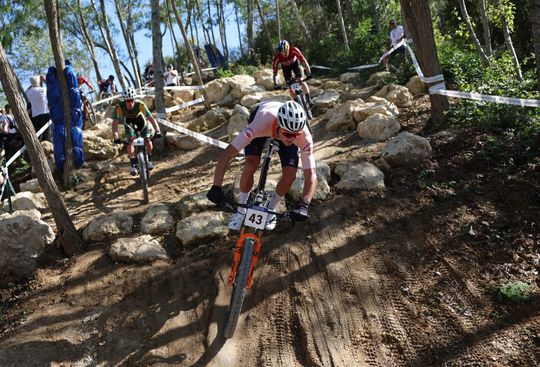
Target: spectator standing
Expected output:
[37,105]
[397,33]
[171,76]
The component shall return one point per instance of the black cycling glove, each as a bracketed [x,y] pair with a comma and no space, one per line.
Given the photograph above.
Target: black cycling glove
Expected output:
[308,76]
[216,195]
[117,141]
[300,214]
[276,87]
[158,135]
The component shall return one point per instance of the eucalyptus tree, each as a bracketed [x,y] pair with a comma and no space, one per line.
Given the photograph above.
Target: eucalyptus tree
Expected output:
[157,58]
[485,26]
[265,26]
[474,39]
[80,16]
[301,21]
[342,26]
[418,16]
[238,26]
[534,14]
[220,12]
[507,22]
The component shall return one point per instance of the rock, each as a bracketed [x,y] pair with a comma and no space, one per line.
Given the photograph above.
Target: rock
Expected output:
[327,100]
[194,203]
[332,84]
[237,123]
[98,148]
[251,99]
[362,93]
[217,89]
[24,237]
[406,149]
[149,102]
[31,186]
[349,77]
[202,226]
[379,78]
[157,220]
[321,193]
[397,94]
[240,91]
[26,200]
[264,78]
[139,249]
[363,111]
[363,176]
[181,141]
[416,86]
[341,118]
[229,100]
[239,109]
[323,169]
[378,127]
[209,120]
[184,95]
[108,226]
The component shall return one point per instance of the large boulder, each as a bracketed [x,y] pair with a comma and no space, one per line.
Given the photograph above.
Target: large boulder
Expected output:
[363,176]
[378,127]
[349,77]
[416,85]
[202,226]
[217,89]
[264,78]
[30,185]
[149,102]
[157,220]
[240,91]
[372,106]
[139,249]
[98,148]
[341,118]
[26,200]
[237,123]
[240,80]
[379,78]
[108,226]
[327,100]
[181,141]
[209,120]
[321,192]
[194,203]
[251,99]
[184,95]
[397,94]
[332,84]
[239,109]
[406,149]
[23,238]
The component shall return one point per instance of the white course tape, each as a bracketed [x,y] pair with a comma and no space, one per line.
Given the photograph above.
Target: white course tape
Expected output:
[21,151]
[106,100]
[181,87]
[193,134]
[184,105]
[369,66]
[361,67]
[440,89]
[320,67]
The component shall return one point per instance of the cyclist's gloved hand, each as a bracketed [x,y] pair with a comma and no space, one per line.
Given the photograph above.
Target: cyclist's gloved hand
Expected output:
[158,135]
[117,141]
[216,195]
[276,87]
[300,214]
[308,76]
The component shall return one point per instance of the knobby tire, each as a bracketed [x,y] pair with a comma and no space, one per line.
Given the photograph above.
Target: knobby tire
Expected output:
[239,288]
[90,119]
[141,158]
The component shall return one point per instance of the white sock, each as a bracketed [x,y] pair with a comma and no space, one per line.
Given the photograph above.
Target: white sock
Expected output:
[275,201]
[242,199]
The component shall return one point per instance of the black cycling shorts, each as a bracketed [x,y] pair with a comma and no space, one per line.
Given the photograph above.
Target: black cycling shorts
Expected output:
[287,70]
[288,155]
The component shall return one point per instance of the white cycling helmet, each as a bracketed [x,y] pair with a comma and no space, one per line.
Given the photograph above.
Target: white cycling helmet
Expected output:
[128,93]
[292,117]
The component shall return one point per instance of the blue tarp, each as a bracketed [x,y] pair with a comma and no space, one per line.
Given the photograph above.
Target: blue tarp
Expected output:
[213,51]
[54,97]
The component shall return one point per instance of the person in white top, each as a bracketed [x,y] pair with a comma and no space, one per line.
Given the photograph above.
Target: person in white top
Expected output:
[285,122]
[38,105]
[397,33]
[171,76]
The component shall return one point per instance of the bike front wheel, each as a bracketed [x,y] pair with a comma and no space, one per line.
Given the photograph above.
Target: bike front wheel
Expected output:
[143,172]
[239,288]
[90,118]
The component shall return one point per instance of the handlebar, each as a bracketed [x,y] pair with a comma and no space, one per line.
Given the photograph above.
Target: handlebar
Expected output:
[291,81]
[232,207]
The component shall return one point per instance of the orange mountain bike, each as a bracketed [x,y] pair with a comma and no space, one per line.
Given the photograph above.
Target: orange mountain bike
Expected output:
[248,245]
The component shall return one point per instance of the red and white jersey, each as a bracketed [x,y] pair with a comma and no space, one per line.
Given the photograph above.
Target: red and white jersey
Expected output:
[265,124]
[293,55]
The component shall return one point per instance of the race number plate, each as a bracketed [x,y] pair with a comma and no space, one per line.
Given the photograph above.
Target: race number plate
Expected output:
[295,87]
[256,218]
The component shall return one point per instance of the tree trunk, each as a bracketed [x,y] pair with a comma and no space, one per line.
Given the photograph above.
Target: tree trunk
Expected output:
[87,39]
[374,15]
[249,29]
[238,27]
[485,26]
[418,16]
[206,34]
[342,26]
[278,18]
[157,59]
[68,237]
[510,46]
[265,26]
[211,22]
[56,44]
[190,54]
[127,40]
[353,21]
[222,29]
[301,21]
[176,44]
[474,39]
[534,14]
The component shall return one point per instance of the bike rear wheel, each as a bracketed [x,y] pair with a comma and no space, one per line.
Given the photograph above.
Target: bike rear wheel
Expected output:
[143,172]
[90,118]
[239,288]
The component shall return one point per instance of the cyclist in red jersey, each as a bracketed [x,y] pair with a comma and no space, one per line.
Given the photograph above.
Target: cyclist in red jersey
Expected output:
[290,59]
[83,80]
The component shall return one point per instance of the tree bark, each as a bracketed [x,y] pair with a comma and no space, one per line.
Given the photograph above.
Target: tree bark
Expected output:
[485,26]
[476,42]
[265,26]
[418,16]
[210,21]
[68,237]
[238,27]
[190,54]
[298,16]
[342,26]
[374,15]
[278,18]
[353,21]
[87,39]
[157,59]
[176,44]
[222,30]
[249,29]
[534,14]
[127,40]
[510,47]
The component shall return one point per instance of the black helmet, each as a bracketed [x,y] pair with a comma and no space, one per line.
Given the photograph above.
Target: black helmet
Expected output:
[111,77]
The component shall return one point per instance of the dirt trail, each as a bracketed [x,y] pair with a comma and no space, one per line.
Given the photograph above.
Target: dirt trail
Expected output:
[389,279]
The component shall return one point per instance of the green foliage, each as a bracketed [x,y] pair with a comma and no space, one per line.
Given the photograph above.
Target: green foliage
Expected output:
[238,68]
[517,292]
[222,73]
[23,167]
[76,178]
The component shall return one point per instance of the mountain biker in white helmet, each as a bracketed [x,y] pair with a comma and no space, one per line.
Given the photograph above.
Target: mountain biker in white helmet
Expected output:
[133,114]
[287,123]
